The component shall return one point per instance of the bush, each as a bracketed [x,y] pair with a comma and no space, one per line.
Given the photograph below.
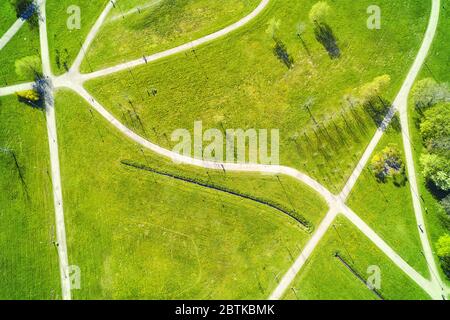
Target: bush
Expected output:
[443,252]
[29,95]
[427,93]
[435,128]
[445,203]
[388,163]
[436,169]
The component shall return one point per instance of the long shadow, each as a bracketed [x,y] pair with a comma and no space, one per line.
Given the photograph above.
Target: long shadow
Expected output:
[325,36]
[291,213]
[280,51]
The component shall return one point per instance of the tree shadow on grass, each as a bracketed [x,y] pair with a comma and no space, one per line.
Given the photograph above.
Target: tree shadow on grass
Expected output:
[325,36]
[378,110]
[280,51]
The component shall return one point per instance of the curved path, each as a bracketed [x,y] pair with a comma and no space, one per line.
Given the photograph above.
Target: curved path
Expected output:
[81,78]
[74,80]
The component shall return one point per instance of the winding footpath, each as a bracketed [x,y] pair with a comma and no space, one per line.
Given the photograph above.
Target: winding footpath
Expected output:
[74,80]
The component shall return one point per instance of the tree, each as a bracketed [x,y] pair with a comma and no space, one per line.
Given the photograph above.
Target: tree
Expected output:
[372,90]
[272,28]
[435,127]
[437,170]
[319,13]
[387,163]
[445,203]
[427,93]
[443,252]
[28,95]
[28,67]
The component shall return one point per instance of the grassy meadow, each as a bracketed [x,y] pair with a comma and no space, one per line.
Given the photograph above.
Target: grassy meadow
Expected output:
[325,277]
[137,234]
[159,25]
[388,209]
[28,259]
[238,82]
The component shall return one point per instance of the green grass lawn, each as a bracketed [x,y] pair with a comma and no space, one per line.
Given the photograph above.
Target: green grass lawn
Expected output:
[325,277]
[24,43]
[64,43]
[164,25]
[28,259]
[388,209]
[437,66]
[237,82]
[8,16]
[137,234]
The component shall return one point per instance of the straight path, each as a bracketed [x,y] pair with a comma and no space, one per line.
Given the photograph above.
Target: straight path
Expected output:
[54,157]
[11,32]
[6,91]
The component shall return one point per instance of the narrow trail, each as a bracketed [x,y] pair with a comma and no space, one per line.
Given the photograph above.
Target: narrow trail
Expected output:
[11,32]
[54,157]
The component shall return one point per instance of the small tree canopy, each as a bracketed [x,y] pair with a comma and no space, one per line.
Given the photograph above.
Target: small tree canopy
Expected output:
[428,92]
[319,12]
[443,246]
[28,67]
[29,95]
[435,125]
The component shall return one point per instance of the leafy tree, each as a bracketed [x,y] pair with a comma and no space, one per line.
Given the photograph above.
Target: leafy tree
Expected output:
[319,13]
[428,92]
[28,67]
[272,28]
[443,252]
[29,95]
[435,127]
[387,163]
[372,90]
[445,203]
[437,170]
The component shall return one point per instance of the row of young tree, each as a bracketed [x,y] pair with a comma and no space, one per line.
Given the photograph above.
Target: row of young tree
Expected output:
[432,103]
[318,17]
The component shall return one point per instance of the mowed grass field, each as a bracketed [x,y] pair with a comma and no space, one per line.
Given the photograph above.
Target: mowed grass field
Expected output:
[137,234]
[28,259]
[388,208]
[65,43]
[8,16]
[24,43]
[436,67]
[159,25]
[238,82]
[325,277]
